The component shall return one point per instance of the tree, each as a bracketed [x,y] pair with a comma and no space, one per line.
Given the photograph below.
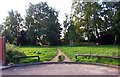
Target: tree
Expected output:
[82,18]
[12,26]
[94,17]
[71,34]
[69,30]
[78,19]
[42,24]
[115,30]
[22,38]
[65,29]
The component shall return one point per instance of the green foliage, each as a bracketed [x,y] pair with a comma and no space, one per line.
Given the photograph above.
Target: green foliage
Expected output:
[93,18]
[70,31]
[12,51]
[41,26]
[42,23]
[12,26]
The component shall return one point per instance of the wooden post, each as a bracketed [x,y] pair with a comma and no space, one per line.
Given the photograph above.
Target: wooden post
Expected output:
[2,50]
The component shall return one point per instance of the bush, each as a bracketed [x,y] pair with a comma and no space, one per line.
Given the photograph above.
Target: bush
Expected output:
[12,51]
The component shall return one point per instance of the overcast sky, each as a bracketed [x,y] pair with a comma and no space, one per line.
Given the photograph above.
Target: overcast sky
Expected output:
[64,6]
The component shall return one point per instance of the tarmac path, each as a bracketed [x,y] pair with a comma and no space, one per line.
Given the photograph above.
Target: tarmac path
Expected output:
[61,69]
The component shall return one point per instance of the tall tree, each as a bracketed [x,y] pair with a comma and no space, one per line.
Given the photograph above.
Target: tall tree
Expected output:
[94,17]
[42,24]
[69,30]
[65,29]
[12,26]
[115,30]
[71,34]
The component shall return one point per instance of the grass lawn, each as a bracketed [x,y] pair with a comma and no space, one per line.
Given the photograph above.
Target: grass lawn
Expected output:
[104,50]
[45,53]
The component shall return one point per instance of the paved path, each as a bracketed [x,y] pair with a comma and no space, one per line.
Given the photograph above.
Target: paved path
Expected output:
[61,69]
[60,53]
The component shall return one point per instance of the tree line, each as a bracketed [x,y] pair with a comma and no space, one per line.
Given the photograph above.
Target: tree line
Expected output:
[93,22]
[88,22]
[40,26]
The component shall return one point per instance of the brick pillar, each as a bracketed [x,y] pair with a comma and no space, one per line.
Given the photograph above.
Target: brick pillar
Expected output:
[2,50]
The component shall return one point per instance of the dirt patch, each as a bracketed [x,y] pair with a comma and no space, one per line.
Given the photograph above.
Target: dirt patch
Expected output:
[60,53]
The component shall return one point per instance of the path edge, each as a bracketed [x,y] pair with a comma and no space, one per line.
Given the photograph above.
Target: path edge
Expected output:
[41,63]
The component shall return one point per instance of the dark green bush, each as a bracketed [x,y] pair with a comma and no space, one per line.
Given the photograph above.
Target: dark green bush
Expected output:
[12,51]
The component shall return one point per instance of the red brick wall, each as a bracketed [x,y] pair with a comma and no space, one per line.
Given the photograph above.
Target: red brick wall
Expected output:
[2,50]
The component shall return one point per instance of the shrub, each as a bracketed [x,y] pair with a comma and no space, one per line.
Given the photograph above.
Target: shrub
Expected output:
[12,51]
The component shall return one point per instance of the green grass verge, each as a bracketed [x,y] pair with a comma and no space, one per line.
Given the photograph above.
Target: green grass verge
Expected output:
[104,50]
[45,53]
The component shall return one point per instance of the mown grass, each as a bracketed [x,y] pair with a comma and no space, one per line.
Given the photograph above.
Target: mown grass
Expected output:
[45,53]
[104,50]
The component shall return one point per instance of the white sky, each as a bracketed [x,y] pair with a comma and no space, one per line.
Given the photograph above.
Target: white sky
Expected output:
[64,6]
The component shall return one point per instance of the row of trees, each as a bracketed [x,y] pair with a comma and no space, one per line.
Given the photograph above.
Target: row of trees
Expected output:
[88,21]
[94,22]
[40,26]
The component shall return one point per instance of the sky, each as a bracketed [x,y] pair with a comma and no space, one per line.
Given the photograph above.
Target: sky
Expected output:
[63,6]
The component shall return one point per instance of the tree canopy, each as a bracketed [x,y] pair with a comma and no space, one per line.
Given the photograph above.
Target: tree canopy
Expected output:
[40,26]
[96,21]
[88,21]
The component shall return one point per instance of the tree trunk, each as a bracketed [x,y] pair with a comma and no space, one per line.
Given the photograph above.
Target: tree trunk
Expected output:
[71,43]
[88,36]
[97,33]
[115,40]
